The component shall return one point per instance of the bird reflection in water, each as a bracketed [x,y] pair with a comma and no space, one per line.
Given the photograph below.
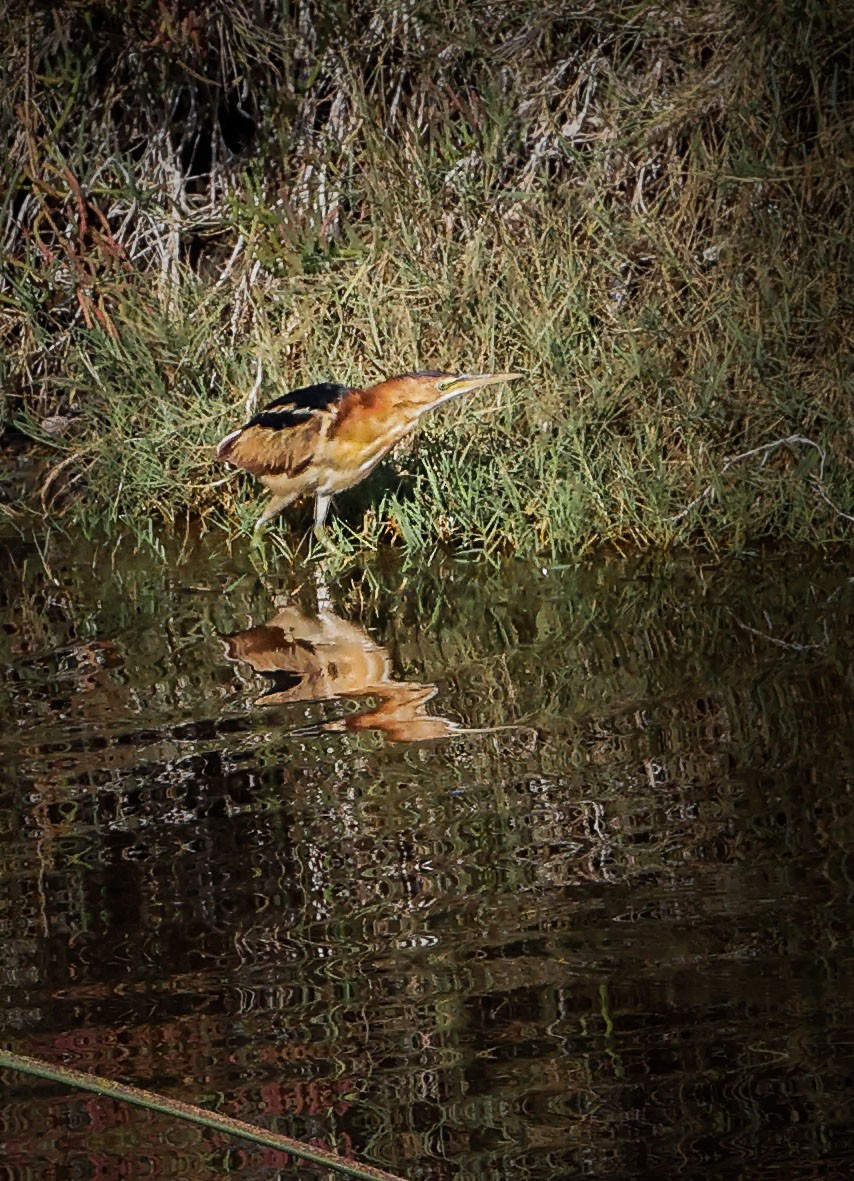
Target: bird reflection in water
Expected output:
[325,658]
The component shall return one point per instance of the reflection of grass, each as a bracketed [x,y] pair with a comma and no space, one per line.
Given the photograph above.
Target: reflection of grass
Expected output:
[649,217]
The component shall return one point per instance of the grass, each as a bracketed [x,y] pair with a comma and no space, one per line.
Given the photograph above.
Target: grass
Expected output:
[647,212]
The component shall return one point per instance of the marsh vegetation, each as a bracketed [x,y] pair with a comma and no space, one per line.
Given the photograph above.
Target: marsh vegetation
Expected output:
[646,208]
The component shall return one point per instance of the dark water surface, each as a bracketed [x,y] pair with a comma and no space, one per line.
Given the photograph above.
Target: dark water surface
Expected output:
[585,910]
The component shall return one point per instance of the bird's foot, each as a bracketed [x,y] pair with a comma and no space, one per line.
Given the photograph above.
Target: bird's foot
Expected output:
[324,540]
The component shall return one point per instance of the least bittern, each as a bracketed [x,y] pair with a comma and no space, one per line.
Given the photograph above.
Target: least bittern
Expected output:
[326,438]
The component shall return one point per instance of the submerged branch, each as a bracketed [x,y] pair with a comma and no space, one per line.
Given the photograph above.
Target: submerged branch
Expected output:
[188,1111]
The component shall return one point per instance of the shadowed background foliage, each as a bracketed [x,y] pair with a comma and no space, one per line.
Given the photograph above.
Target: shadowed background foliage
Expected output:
[646,208]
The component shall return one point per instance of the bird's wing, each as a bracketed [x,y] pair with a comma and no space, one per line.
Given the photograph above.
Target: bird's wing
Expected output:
[273,444]
[281,439]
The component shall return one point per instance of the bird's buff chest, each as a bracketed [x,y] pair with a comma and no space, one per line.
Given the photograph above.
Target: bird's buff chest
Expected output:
[360,438]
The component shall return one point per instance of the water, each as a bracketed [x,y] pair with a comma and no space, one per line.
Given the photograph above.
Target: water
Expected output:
[519,874]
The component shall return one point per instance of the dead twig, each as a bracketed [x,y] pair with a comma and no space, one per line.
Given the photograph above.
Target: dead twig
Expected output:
[765,450]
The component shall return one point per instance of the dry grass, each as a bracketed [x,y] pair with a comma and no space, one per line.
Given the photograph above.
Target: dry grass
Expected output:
[646,209]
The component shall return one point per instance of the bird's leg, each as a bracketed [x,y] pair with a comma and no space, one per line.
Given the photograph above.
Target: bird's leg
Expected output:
[277,503]
[321,508]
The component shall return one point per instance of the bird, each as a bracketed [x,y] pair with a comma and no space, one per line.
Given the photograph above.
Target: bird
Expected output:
[322,439]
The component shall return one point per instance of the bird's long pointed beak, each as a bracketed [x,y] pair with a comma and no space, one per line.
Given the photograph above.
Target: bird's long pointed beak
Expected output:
[466,382]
